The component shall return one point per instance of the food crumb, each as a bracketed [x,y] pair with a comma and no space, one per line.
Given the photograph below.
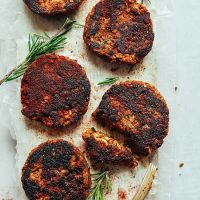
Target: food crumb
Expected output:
[121,194]
[181,165]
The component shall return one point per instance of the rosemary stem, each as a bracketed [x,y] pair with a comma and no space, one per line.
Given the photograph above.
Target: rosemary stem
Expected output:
[58,32]
[9,74]
[63,28]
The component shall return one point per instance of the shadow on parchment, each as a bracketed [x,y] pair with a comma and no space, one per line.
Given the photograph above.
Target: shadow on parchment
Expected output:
[118,69]
[41,129]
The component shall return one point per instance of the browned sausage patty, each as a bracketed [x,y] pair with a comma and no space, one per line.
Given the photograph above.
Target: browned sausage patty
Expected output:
[119,30]
[137,110]
[52,7]
[106,150]
[55,90]
[56,170]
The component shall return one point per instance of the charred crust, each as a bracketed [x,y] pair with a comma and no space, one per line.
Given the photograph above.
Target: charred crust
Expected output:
[55,91]
[128,26]
[49,8]
[106,150]
[49,172]
[137,110]
[105,155]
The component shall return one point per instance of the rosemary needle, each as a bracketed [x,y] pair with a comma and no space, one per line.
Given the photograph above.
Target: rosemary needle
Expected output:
[101,184]
[108,81]
[39,45]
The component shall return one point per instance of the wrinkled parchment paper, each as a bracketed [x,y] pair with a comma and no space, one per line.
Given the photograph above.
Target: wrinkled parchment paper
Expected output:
[29,134]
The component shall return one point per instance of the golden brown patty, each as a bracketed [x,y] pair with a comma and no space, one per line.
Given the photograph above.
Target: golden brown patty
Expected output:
[106,150]
[52,7]
[119,30]
[55,90]
[137,110]
[56,170]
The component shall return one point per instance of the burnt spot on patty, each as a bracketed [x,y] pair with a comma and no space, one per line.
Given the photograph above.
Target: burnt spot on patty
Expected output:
[106,150]
[52,7]
[55,91]
[56,170]
[138,111]
[119,30]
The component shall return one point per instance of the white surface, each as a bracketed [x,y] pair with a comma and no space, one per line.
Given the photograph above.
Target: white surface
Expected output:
[29,135]
[185,136]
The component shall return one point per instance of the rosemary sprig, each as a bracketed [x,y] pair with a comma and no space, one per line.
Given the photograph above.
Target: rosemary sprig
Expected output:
[146,183]
[108,81]
[39,45]
[101,184]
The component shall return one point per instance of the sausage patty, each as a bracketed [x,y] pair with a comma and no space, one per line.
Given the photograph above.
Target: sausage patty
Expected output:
[56,170]
[106,150]
[55,90]
[137,110]
[119,30]
[52,7]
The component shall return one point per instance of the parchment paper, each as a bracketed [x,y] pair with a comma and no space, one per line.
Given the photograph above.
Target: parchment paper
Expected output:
[30,134]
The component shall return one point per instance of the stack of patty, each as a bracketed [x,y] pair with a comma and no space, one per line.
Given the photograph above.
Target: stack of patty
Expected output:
[138,111]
